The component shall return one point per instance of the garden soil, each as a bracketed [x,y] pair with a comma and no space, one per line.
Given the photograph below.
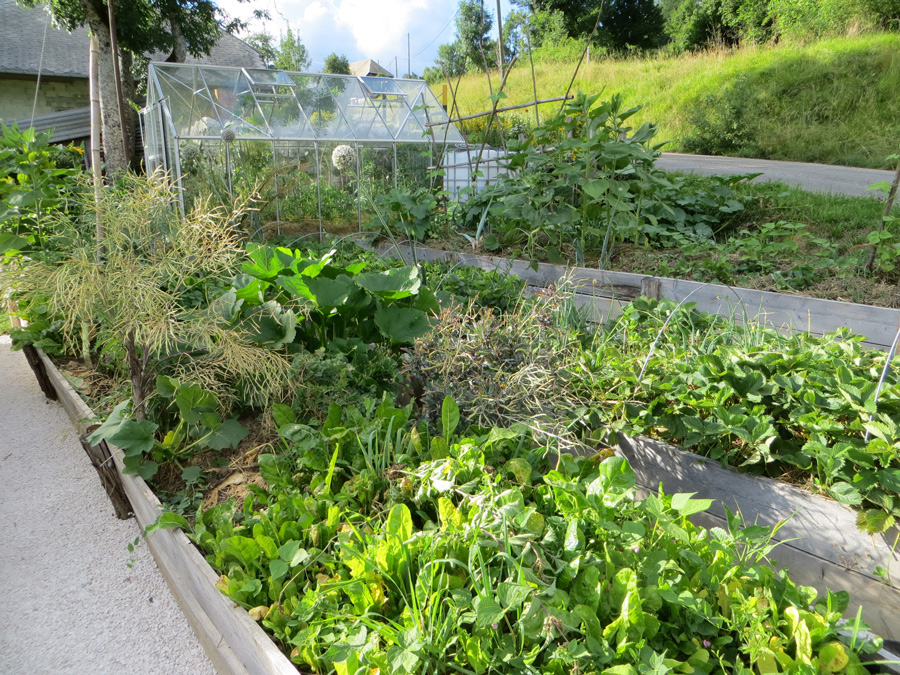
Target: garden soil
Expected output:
[73,599]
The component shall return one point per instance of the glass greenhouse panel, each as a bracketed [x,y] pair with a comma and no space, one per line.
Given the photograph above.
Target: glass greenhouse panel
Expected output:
[205,101]
[309,148]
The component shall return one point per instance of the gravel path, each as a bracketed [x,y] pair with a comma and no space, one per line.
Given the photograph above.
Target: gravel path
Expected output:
[72,598]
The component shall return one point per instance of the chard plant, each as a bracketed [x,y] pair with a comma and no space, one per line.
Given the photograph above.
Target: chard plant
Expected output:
[470,554]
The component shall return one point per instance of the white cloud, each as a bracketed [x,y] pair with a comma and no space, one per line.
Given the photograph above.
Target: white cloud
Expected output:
[361,29]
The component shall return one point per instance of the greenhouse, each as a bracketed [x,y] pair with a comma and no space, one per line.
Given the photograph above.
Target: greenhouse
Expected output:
[224,132]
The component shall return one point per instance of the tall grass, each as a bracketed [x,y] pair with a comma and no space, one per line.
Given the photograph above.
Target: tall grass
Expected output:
[836,101]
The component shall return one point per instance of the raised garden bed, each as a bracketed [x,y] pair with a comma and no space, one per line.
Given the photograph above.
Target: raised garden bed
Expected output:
[236,644]
[820,542]
[603,293]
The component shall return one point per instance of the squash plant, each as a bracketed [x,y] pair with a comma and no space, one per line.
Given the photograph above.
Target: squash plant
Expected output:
[338,305]
[584,180]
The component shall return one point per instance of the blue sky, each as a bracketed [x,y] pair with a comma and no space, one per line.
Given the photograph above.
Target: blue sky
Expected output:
[363,29]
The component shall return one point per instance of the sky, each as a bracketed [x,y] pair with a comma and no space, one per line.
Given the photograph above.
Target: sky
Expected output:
[362,29]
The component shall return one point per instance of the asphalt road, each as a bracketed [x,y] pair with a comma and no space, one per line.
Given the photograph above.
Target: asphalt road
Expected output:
[846,180]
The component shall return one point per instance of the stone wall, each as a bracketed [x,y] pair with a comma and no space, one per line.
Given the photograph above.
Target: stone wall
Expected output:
[17,97]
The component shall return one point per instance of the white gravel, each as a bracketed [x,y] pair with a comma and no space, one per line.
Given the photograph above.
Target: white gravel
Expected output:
[72,597]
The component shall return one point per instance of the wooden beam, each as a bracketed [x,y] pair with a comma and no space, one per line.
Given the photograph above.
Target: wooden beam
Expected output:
[782,311]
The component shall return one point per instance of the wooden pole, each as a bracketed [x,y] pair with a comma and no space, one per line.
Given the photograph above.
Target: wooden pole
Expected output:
[95,134]
[500,37]
[498,110]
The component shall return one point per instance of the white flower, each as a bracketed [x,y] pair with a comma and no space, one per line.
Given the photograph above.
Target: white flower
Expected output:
[343,158]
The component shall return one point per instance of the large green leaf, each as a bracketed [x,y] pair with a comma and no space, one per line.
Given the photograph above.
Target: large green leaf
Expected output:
[192,401]
[226,435]
[249,289]
[296,287]
[265,263]
[399,524]
[392,284]
[11,242]
[112,424]
[487,612]
[329,293]
[135,438]
[270,325]
[275,470]
[401,324]
[449,417]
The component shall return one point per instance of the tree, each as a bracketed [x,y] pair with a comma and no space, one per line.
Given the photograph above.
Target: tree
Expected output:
[631,23]
[292,53]
[264,43]
[473,27]
[176,27]
[452,60]
[337,65]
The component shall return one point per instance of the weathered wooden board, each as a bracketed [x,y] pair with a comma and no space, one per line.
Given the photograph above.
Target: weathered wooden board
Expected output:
[827,550]
[783,311]
[234,643]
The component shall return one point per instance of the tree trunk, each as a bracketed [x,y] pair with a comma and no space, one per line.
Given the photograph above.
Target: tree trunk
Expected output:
[129,88]
[179,53]
[113,134]
[137,372]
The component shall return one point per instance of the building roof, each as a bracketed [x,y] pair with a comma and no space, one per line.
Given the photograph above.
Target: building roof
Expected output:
[22,38]
[22,42]
[367,67]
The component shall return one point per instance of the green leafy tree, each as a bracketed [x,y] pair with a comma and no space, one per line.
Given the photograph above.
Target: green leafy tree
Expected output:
[693,25]
[336,64]
[264,43]
[631,23]
[579,16]
[452,60]
[292,53]
[473,28]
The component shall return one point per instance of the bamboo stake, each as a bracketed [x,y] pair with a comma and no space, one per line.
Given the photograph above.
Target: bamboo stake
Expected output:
[587,49]
[499,110]
[537,117]
[95,134]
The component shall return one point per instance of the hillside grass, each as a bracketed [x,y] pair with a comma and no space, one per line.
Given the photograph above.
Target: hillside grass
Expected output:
[836,101]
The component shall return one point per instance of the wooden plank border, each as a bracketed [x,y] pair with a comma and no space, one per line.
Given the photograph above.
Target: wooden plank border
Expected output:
[820,541]
[782,311]
[234,643]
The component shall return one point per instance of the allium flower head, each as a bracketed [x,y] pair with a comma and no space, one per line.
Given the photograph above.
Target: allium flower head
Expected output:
[228,135]
[343,158]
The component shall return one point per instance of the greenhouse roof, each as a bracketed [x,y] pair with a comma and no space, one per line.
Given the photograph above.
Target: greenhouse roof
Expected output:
[201,102]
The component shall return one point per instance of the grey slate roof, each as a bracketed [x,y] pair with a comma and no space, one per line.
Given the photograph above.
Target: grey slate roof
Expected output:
[66,54]
[22,34]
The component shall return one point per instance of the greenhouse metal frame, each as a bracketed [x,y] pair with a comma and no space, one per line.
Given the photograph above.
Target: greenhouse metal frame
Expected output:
[215,108]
